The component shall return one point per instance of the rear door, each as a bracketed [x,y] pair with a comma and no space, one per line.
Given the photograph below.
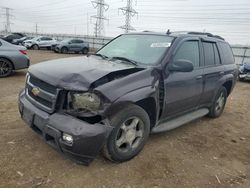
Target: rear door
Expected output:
[213,71]
[183,89]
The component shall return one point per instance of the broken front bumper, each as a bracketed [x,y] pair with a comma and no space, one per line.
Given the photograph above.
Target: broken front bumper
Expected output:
[88,139]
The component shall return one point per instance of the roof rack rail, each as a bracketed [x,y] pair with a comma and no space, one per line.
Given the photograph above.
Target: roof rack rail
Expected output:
[207,34]
[196,33]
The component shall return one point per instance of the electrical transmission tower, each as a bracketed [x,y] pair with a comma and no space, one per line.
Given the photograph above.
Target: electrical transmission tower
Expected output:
[101,7]
[129,12]
[8,16]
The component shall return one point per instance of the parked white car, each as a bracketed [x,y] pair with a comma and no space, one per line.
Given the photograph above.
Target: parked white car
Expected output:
[39,42]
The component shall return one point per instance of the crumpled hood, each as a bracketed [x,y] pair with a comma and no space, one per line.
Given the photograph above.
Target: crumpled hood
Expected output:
[75,73]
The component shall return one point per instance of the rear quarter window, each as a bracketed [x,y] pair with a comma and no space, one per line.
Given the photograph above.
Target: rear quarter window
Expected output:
[226,53]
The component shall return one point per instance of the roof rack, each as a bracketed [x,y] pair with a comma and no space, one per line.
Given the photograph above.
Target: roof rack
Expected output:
[207,34]
[196,33]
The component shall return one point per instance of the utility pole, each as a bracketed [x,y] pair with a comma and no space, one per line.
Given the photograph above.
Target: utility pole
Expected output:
[7,17]
[87,24]
[36,28]
[129,12]
[101,7]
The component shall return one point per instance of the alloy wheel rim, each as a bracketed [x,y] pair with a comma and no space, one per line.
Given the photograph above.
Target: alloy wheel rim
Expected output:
[130,135]
[220,103]
[4,68]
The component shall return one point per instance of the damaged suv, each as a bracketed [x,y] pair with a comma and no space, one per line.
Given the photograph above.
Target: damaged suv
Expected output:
[137,84]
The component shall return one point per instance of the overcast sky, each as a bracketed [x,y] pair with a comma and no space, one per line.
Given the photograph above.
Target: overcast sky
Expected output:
[228,18]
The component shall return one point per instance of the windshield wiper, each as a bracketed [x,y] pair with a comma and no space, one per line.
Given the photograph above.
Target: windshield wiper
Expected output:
[101,55]
[125,59]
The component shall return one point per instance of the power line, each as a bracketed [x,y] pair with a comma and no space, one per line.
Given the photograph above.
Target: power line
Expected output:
[101,7]
[129,12]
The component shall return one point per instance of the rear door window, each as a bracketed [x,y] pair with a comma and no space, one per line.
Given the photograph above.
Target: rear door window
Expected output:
[209,53]
[189,50]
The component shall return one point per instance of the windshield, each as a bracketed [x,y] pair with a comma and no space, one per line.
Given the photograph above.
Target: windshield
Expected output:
[36,38]
[66,40]
[145,49]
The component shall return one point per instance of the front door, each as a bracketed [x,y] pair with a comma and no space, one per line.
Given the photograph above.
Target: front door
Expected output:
[183,89]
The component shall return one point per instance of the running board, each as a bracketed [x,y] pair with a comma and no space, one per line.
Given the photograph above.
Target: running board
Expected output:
[177,122]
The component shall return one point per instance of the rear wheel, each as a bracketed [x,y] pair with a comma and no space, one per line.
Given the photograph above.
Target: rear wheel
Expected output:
[6,67]
[130,133]
[35,47]
[85,50]
[219,103]
[64,50]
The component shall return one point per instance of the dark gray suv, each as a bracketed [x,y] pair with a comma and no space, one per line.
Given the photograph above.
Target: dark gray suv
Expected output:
[71,45]
[137,84]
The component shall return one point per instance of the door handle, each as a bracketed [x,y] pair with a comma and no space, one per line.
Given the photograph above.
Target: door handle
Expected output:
[198,77]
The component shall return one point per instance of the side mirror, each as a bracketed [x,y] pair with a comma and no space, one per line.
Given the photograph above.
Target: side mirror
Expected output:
[181,65]
[38,40]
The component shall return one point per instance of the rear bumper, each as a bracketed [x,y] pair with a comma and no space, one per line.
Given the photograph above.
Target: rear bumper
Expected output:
[21,62]
[88,139]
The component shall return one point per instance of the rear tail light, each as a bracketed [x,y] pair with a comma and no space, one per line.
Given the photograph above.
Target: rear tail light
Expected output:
[24,52]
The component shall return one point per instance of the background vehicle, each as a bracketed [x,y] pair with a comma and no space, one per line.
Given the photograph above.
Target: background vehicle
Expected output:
[39,42]
[9,38]
[12,57]
[72,45]
[139,83]
[244,71]
[21,40]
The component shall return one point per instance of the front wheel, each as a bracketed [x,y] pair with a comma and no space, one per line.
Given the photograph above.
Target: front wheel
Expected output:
[35,47]
[219,103]
[64,50]
[130,133]
[6,67]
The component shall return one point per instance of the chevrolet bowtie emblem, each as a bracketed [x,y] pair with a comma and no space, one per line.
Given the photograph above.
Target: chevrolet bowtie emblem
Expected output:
[35,91]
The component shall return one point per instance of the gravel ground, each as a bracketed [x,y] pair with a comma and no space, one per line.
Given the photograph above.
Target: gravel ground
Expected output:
[204,153]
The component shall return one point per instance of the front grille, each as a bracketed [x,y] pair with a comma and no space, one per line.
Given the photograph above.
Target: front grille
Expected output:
[45,96]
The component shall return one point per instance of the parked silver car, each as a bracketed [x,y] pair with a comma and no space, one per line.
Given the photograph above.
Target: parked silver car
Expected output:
[12,57]
[39,42]
[72,45]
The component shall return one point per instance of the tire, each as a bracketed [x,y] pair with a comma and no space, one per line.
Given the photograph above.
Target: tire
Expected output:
[131,130]
[6,67]
[35,47]
[64,50]
[85,50]
[219,103]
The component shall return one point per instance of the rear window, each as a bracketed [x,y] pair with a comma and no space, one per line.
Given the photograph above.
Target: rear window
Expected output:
[226,53]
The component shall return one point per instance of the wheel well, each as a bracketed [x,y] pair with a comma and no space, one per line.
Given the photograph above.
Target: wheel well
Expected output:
[149,106]
[9,61]
[228,86]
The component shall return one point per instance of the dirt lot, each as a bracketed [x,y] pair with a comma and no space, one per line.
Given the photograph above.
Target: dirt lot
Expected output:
[205,153]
